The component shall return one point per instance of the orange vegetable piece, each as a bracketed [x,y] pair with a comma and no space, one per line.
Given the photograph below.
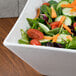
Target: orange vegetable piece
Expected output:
[67,5]
[67,28]
[53,13]
[73,9]
[48,38]
[74,2]
[55,38]
[72,5]
[38,13]
[62,20]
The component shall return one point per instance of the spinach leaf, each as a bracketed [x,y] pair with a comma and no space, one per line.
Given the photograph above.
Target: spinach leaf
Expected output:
[30,21]
[33,23]
[40,20]
[59,11]
[45,9]
[72,44]
[54,31]
[24,39]
[52,2]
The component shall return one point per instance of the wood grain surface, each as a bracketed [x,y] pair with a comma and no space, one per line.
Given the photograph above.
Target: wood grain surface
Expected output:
[10,64]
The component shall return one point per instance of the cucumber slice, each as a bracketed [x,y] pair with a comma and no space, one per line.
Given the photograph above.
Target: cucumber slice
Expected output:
[44,41]
[60,3]
[66,11]
[67,21]
[44,27]
[62,38]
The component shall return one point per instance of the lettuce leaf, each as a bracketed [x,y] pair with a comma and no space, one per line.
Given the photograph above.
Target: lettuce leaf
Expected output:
[24,39]
[72,44]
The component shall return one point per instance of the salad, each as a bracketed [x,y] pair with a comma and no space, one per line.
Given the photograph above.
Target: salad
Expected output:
[53,26]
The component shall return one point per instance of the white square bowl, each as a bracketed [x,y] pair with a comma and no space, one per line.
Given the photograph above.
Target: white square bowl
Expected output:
[46,60]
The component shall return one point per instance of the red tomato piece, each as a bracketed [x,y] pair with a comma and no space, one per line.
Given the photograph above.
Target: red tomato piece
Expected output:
[35,42]
[74,25]
[47,4]
[54,24]
[35,34]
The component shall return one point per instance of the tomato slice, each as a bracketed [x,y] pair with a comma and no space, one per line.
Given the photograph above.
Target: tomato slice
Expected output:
[74,25]
[35,34]
[47,4]
[54,24]
[35,42]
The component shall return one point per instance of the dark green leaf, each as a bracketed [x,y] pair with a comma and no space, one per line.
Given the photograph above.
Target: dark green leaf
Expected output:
[45,9]
[59,11]
[54,31]
[52,2]
[30,21]
[40,20]
[33,23]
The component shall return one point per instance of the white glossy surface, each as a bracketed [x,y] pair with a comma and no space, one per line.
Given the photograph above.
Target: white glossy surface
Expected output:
[46,60]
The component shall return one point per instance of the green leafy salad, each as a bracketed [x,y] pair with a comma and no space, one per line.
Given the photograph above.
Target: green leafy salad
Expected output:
[53,26]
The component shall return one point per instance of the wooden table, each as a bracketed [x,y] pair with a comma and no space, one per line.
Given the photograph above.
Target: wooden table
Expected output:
[10,64]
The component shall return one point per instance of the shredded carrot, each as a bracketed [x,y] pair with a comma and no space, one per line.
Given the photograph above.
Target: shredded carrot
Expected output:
[55,38]
[73,9]
[47,4]
[67,5]
[74,2]
[69,37]
[62,20]
[48,38]
[67,28]
[53,13]
[38,13]
[72,5]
